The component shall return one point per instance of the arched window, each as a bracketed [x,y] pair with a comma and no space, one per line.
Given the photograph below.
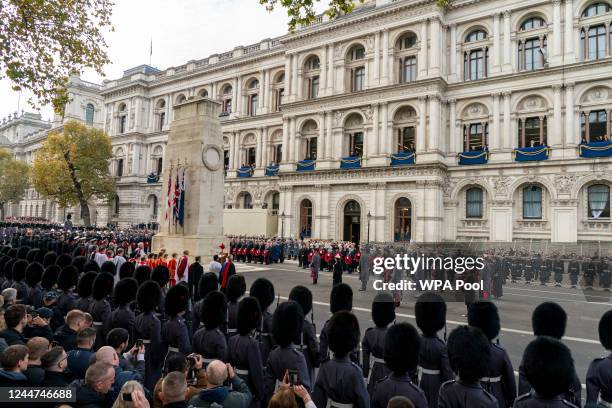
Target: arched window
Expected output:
[204,93]
[599,201]
[596,9]
[356,144]
[180,99]
[355,68]
[475,63]
[254,84]
[532,202]
[253,101]
[153,206]
[305,219]
[276,201]
[474,203]
[532,131]
[311,148]
[597,128]
[313,87]
[279,91]
[312,63]
[160,165]
[532,23]
[250,156]
[406,138]
[475,136]
[476,35]
[248,201]
[406,41]
[403,217]
[89,113]
[227,99]
[356,53]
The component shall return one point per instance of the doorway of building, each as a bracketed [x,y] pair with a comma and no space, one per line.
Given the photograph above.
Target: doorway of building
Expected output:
[352,221]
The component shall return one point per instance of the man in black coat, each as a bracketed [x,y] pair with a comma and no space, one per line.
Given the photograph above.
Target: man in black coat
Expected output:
[93,390]
[16,320]
[37,346]
[55,362]
[195,273]
[66,335]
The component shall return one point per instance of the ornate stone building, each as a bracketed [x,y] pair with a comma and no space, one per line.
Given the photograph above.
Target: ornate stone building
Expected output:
[400,121]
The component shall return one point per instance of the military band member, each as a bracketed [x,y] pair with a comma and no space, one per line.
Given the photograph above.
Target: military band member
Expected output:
[434,367]
[100,308]
[373,343]
[309,344]
[123,316]
[574,270]
[499,379]
[208,283]
[401,350]
[606,276]
[531,264]
[236,287]
[147,327]
[175,333]
[558,268]
[263,290]
[209,341]
[66,283]
[340,381]
[589,272]
[33,276]
[341,298]
[23,290]
[598,382]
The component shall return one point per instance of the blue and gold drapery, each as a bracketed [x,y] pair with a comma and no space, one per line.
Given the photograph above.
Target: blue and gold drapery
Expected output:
[532,153]
[306,165]
[271,171]
[595,149]
[245,172]
[351,162]
[402,159]
[474,157]
[152,178]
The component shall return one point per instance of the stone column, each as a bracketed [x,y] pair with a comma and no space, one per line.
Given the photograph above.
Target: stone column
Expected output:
[569,53]
[328,125]
[423,51]
[384,127]
[557,133]
[375,66]
[135,159]
[295,142]
[323,77]
[572,137]
[331,72]
[434,123]
[507,137]
[507,49]
[265,148]
[262,92]
[300,84]
[422,131]
[294,78]
[497,49]
[385,58]
[238,101]
[258,148]
[375,145]
[452,127]
[494,143]
[321,143]
[454,75]
[556,45]
[434,57]
[372,210]
[238,150]
[288,65]
[285,149]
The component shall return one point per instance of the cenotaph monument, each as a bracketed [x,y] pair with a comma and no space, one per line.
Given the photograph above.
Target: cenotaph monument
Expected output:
[191,208]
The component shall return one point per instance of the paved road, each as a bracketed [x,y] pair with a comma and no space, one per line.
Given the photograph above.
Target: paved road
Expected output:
[516,307]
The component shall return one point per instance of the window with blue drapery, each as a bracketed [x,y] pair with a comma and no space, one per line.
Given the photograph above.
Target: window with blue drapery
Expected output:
[474,204]
[532,202]
[599,201]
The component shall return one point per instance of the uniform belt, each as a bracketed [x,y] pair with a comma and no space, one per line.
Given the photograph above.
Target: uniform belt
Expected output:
[491,379]
[264,334]
[146,341]
[173,349]
[373,360]
[97,323]
[428,371]
[241,372]
[232,331]
[333,404]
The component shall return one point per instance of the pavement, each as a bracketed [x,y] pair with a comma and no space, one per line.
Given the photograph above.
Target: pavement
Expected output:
[515,307]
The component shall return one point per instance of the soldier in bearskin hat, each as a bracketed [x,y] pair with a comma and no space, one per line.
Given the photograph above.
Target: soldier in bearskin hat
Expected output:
[469,353]
[341,298]
[33,276]
[549,368]
[142,273]
[208,283]
[598,384]
[100,308]
[22,252]
[63,260]
[373,343]
[49,278]
[123,316]
[236,287]
[175,333]
[147,327]
[126,270]
[549,319]
[79,263]
[66,283]
[209,341]
[340,381]
[287,325]
[84,289]
[434,367]
[243,349]
[109,267]
[32,255]
[50,258]
[91,266]
[401,350]
[309,345]
[263,290]
[499,379]
[23,291]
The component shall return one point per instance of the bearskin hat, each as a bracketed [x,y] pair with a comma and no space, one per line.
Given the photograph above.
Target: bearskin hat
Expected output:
[12,253]
[63,260]
[149,296]
[177,299]
[343,333]
[215,305]
[85,284]
[383,309]
[79,251]
[79,263]
[263,290]
[50,259]
[402,344]
[91,266]
[19,268]
[303,296]
[287,323]
[125,291]
[469,353]
[102,286]
[67,278]
[50,275]
[109,267]
[341,298]
[248,316]
[34,273]
[236,287]
[548,366]
[32,255]
[605,330]
[40,256]
[5,249]
[3,261]
[484,315]
[161,275]
[142,273]
[208,283]
[22,252]
[126,270]
[8,268]
[549,319]
[430,313]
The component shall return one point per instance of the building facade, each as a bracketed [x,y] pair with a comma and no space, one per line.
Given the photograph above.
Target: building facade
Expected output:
[400,121]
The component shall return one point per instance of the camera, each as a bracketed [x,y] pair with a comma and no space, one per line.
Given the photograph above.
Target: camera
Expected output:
[139,343]
[32,312]
[191,371]
[294,378]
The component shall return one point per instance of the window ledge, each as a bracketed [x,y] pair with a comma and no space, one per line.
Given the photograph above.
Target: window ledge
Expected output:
[597,224]
[532,223]
[474,222]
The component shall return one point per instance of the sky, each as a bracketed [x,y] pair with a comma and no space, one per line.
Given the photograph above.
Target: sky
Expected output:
[181,30]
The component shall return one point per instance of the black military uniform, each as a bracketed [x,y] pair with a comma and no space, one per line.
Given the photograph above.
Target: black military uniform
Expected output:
[236,287]
[558,267]
[574,271]
[589,273]
[263,290]
[208,283]
[373,343]
[209,341]
[598,384]
[33,276]
[341,298]
[147,327]
[308,345]
[545,270]
[175,333]
[123,316]
[100,308]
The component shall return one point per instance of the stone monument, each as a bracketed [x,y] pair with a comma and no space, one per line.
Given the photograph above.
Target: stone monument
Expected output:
[195,148]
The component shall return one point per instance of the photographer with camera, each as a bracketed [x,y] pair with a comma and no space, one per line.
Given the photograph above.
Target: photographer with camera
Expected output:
[288,390]
[132,360]
[216,393]
[39,321]
[191,368]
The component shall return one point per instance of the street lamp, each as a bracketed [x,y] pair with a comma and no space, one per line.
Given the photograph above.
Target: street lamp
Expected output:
[369,218]
[283,225]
